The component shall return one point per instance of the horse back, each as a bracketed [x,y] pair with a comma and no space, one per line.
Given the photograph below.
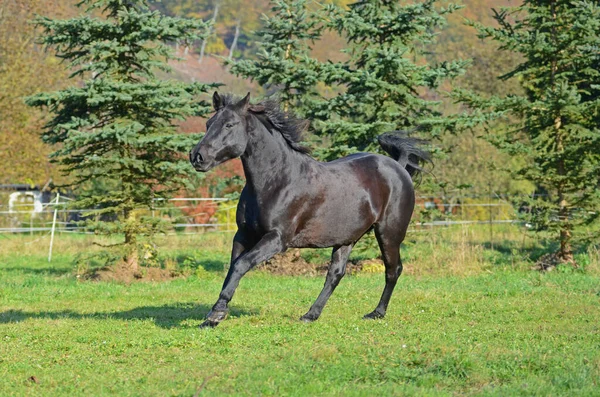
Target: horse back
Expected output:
[328,204]
[346,197]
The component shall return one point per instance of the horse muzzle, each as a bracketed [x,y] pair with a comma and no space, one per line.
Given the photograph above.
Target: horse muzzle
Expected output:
[199,163]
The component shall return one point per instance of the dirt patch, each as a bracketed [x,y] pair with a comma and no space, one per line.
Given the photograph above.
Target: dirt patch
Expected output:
[291,263]
[549,262]
[125,274]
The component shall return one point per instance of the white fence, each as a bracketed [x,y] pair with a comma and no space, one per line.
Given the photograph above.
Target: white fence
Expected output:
[56,216]
[219,215]
[23,218]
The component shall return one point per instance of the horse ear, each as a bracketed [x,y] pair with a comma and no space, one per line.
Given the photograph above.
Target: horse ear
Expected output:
[244,103]
[257,108]
[217,101]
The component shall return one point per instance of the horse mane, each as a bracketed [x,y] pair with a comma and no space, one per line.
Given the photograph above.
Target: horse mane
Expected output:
[290,126]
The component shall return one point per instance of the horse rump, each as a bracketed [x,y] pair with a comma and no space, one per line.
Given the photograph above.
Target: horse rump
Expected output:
[407,151]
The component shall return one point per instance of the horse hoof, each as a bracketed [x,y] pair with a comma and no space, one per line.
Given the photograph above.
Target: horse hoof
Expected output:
[208,324]
[374,315]
[307,319]
[216,316]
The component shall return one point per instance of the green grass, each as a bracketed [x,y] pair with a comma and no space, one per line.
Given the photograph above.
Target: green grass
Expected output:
[494,329]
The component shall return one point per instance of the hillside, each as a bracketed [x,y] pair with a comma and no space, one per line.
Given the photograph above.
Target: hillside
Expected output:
[27,69]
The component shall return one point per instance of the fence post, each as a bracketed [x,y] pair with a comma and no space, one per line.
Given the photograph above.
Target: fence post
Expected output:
[491,216]
[53,227]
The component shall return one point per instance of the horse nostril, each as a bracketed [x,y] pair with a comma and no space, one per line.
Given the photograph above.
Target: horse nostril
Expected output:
[198,158]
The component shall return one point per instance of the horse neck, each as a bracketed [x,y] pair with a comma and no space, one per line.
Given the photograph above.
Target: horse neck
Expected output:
[268,160]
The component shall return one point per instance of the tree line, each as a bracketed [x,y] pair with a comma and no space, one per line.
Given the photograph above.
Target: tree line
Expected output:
[116,128]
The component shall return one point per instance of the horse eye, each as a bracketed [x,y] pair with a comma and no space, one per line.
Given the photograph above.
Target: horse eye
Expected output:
[229,125]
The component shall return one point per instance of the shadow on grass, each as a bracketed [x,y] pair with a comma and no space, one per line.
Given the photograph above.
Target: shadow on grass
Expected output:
[533,254]
[50,271]
[167,316]
[182,261]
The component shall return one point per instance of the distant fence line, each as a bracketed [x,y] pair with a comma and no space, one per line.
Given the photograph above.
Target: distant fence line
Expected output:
[75,229]
[222,199]
[187,207]
[222,217]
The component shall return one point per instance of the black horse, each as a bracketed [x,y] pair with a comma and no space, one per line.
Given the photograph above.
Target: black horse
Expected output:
[294,201]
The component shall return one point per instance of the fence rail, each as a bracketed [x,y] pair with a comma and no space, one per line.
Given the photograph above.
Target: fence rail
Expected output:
[217,216]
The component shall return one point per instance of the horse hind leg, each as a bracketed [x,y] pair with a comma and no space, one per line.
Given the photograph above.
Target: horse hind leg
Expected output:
[337,269]
[389,242]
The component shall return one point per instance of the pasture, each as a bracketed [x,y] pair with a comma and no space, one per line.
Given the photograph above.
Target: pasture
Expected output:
[467,318]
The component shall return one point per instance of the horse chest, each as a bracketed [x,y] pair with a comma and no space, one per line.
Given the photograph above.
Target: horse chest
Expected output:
[254,218]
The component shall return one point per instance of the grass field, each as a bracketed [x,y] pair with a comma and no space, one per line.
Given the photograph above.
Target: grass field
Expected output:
[466,319]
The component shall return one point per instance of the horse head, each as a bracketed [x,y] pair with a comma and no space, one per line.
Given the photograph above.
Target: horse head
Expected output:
[226,137]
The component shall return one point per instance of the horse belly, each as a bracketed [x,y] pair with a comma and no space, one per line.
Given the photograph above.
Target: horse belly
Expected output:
[335,225]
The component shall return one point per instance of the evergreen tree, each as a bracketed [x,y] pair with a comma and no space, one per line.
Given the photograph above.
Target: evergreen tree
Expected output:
[116,129]
[381,87]
[284,65]
[386,79]
[554,125]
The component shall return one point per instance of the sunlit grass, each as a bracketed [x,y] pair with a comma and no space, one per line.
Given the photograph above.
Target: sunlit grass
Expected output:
[466,318]
[457,250]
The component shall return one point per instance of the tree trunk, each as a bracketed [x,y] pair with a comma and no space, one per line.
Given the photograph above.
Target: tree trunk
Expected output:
[235,38]
[214,19]
[566,252]
[131,259]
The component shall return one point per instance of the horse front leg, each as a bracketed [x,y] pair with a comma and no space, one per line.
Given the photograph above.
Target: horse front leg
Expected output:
[239,247]
[269,245]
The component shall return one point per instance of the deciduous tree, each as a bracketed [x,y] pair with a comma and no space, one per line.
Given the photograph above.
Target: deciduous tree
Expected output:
[24,70]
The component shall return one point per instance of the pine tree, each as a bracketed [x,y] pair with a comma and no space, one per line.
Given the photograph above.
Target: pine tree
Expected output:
[284,65]
[380,88]
[386,79]
[554,126]
[116,129]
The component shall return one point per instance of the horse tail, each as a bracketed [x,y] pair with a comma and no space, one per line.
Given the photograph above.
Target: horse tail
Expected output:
[405,150]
